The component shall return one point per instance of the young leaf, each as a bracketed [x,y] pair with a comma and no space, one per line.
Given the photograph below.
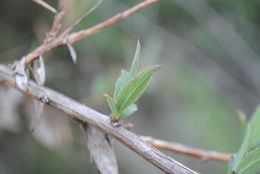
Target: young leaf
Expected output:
[125,76]
[134,89]
[247,160]
[236,160]
[135,64]
[250,163]
[111,104]
[120,83]
[254,140]
[128,111]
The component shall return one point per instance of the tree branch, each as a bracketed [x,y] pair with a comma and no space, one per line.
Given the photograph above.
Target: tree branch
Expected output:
[186,150]
[87,115]
[46,6]
[65,38]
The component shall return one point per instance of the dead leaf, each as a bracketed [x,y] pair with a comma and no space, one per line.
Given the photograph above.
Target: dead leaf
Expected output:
[101,150]
[73,53]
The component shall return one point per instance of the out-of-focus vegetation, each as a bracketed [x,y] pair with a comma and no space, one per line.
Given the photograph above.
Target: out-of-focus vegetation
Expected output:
[209,50]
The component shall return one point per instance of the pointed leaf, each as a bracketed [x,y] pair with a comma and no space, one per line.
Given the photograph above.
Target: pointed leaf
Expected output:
[38,106]
[135,64]
[73,53]
[111,104]
[101,150]
[130,110]
[125,76]
[134,89]
[120,83]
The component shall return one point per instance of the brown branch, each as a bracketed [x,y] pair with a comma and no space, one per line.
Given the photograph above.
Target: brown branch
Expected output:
[56,26]
[87,115]
[186,150]
[117,18]
[46,6]
[64,38]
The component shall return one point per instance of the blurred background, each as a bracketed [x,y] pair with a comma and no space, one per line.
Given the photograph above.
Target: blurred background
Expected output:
[209,50]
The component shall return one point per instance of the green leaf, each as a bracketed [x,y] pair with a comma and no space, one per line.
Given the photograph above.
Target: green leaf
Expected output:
[250,163]
[120,83]
[247,161]
[125,76]
[130,110]
[134,89]
[254,140]
[135,64]
[111,104]
[235,162]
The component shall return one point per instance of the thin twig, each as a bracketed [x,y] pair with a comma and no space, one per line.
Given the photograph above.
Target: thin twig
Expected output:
[85,114]
[46,6]
[82,17]
[56,26]
[77,36]
[201,154]
[117,18]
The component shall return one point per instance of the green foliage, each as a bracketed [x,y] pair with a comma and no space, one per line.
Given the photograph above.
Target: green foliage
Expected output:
[128,88]
[247,161]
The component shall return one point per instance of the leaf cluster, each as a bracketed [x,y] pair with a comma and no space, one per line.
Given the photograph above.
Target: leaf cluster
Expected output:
[128,88]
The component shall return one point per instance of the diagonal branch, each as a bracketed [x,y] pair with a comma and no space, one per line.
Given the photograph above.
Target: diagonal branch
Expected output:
[66,38]
[201,154]
[46,6]
[84,114]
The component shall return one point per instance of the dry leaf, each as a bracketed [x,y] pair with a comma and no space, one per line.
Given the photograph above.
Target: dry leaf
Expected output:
[73,53]
[38,109]
[39,71]
[39,75]
[101,150]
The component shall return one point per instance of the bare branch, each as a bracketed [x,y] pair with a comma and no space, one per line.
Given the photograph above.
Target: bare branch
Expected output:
[56,25]
[82,17]
[186,150]
[117,18]
[46,6]
[63,39]
[102,122]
